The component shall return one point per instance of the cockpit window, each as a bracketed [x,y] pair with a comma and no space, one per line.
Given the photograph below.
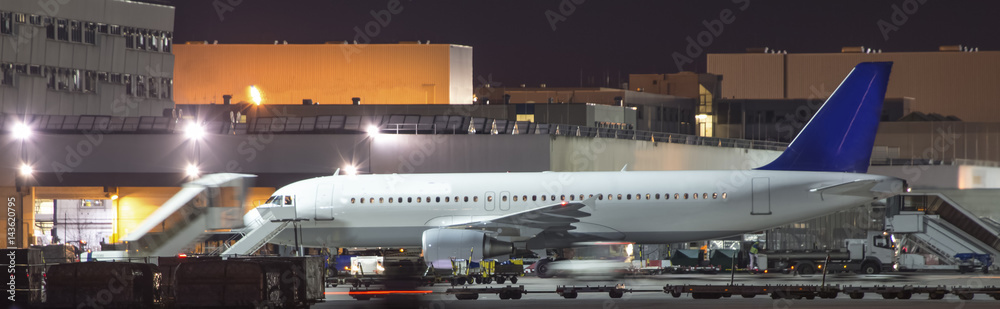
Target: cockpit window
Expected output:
[289,200]
[270,200]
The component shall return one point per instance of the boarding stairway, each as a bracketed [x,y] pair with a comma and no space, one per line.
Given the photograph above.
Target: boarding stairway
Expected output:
[213,202]
[937,224]
[265,224]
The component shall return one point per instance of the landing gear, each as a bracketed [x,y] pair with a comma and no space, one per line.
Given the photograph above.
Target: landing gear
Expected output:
[541,268]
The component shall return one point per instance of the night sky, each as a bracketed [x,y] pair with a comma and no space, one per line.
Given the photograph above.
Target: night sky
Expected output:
[514,41]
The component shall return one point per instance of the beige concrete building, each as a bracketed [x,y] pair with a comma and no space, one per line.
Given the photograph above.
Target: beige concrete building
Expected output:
[946,82]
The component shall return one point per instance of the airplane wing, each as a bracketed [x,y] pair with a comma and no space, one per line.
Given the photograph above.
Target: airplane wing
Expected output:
[550,218]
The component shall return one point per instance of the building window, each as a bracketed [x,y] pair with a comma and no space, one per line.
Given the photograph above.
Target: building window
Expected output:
[167,42]
[6,23]
[76,32]
[90,33]
[50,73]
[153,93]
[154,41]
[35,20]
[128,84]
[35,70]
[77,80]
[115,78]
[115,30]
[129,38]
[7,76]
[62,30]
[90,82]
[140,86]
[140,39]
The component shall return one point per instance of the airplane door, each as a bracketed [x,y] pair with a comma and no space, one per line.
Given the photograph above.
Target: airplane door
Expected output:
[324,201]
[491,201]
[504,201]
[761,196]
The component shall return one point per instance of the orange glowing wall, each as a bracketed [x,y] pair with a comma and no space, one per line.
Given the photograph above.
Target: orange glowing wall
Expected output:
[324,73]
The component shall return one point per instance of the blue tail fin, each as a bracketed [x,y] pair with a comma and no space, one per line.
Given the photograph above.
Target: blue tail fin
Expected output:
[839,138]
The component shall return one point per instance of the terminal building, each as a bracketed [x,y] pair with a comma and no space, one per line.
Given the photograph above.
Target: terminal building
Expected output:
[105,57]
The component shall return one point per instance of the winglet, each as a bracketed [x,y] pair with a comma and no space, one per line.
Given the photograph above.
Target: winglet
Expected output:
[839,138]
[591,202]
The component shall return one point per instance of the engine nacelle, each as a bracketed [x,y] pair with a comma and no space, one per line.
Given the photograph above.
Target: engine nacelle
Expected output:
[442,245]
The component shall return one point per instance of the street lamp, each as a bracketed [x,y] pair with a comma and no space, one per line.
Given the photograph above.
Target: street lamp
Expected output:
[192,171]
[350,170]
[194,131]
[255,95]
[26,170]
[21,131]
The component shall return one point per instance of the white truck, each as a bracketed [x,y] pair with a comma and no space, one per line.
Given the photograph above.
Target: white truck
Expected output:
[871,255]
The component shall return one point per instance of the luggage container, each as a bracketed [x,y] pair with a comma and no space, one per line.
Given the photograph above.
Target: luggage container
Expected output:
[232,283]
[102,284]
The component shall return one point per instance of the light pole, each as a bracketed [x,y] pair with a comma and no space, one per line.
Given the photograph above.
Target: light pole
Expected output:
[22,132]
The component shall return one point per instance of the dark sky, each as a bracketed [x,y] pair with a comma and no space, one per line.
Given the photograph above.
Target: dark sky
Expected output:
[515,43]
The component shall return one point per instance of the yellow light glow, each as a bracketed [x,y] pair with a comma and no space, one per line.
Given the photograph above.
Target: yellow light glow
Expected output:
[114,197]
[350,170]
[255,95]
[192,171]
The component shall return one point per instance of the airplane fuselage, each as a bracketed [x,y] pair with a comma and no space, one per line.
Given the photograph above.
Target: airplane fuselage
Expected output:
[641,207]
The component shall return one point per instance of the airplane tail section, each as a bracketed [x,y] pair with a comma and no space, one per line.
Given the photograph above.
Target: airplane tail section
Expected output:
[840,137]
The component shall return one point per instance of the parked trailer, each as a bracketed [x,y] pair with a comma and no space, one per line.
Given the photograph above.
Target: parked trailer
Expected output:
[507,292]
[750,291]
[235,283]
[305,276]
[107,284]
[24,272]
[891,292]
[969,293]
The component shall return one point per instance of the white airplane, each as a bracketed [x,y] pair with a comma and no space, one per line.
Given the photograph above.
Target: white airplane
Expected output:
[821,172]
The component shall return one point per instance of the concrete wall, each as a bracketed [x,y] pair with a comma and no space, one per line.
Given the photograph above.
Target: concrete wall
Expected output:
[948,83]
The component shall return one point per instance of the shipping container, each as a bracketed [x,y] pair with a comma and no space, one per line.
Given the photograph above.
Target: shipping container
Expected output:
[102,284]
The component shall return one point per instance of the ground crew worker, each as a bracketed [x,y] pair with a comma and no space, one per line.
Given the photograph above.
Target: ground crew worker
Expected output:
[753,255]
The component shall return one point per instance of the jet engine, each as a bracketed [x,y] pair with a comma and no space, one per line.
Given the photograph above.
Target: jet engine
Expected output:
[442,245]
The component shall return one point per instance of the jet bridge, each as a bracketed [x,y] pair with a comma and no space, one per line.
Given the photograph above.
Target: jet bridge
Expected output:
[937,224]
[213,202]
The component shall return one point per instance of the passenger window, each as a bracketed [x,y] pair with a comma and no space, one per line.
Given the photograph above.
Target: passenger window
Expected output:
[600,197]
[685,196]
[676,196]
[589,196]
[409,200]
[371,200]
[390,200]
[466,199]
[534,198]
[562,197]
[553,197]
[628,197]
[647,196]
[657,196]
[524,198]
[381,200]
[581,197]
[447,199]
[428,199]
[352,200]
[437,199]
[418,199]
[475,198]
[723,195]
[489,198]
[543,198]
[362,200]
[619,197]
[610,197]
[572,198]
[695,196]
[515,198]
[504,198]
